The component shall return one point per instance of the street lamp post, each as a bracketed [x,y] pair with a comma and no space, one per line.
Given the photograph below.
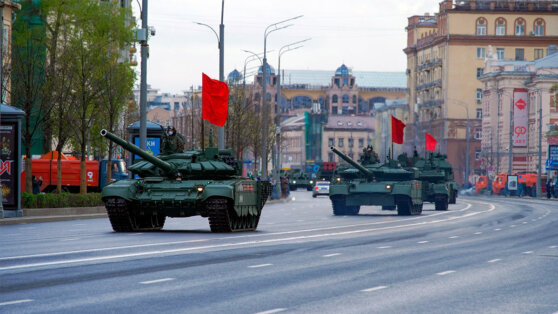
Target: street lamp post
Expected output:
[143,80]
[459,103]
[539,187]
[221,46]
[265,113]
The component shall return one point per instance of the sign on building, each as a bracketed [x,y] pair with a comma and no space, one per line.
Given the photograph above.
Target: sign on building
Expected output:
[520,118]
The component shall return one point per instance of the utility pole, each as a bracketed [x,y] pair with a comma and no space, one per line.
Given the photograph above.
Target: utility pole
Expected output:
[539,187]
[143,35]
[221,144]
[510,153]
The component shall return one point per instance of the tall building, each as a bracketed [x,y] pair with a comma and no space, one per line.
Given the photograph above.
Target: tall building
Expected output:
[8,9]
[445,56]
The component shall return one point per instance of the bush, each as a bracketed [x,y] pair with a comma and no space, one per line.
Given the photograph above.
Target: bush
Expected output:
[53,200]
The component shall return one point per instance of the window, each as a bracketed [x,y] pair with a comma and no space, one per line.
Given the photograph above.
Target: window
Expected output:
[330,157]
[354,99]
[480,53]
[334,110]
[520,27]
[539,27]
[519,54]
[331,142]
[477,155]
[340,143]
[345,99]
[479,113]
[478,134]
[480,71]
[481,27]
[351,142]
[500,53]
[334,99]
[361,142]
[500,27]
[479,95]
[539,53]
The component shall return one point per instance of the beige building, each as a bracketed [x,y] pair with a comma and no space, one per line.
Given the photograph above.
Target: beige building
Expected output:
[293,143]
[8,8]
[397,108]
[445,56]
[349,134]
[514,92]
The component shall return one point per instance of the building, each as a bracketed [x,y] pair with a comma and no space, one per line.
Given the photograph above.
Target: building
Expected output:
[513,94]
[166,101]
[8,9]
[445,56]
[397,108]
[349,134]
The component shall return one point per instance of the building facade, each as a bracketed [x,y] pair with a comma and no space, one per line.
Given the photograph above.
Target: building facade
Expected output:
[445,56]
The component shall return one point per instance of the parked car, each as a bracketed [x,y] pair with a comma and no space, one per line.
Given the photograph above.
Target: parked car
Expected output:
[321,188]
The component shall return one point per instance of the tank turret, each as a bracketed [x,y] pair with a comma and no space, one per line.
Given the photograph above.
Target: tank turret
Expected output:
[353,163]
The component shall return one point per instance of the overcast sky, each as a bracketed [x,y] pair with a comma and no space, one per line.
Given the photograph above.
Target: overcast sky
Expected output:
[366,35]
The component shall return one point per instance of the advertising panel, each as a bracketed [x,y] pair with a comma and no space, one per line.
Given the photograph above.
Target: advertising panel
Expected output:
[520,118]
[153,146]
[8,171]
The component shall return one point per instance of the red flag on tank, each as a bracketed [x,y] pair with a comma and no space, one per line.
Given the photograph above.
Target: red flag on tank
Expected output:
[215,100]
[397,127]
[430,142]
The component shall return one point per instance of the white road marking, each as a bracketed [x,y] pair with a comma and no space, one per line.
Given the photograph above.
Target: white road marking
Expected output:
[224,245]
[454,237]
[513,226]
[272,311]
[331,255]
[552,247]
[16,302]
[478,233]
[156,281]
[70,239]
[528,252]
[525,222]
[384,247]
[446,272]
[259,266]
[497,229]
[494,260]
[374,289]
[422,242]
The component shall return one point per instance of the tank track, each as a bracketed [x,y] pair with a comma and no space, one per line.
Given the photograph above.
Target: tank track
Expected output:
[341,209]
[266,192]
[222,218]
[122,220]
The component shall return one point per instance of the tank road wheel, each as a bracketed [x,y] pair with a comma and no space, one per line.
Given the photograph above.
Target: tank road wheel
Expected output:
[223,217]
[124,220]
[309,188]
[293,188]
[453,198]
[441,202]
[384,207]
[338,204]
[417,209]
[404,205]
[352,210]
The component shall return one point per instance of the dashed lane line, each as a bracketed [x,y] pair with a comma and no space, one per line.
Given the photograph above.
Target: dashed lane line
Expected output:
[528,252]
[552,247]
[385,247]
[272,311]
[454,237]
[16,302]
[447,272]
[332,255]
[260,266]
[494,260]
[422,242]
[156,281]
[374,289]
[477,233]
[497,229]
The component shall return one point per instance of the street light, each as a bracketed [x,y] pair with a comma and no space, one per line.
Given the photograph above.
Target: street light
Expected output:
[143,36]
[221,46]
[265,114]
[464,105]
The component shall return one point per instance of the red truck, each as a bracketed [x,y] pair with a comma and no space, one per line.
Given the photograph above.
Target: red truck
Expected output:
[96,172]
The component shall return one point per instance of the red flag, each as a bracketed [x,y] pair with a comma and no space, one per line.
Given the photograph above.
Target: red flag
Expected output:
[215,100]
[430,142]
[397,130]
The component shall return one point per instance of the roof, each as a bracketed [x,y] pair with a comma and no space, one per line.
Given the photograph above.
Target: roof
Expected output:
[355,123]
[11,111]
[550,61]
[149,125]
[362,78]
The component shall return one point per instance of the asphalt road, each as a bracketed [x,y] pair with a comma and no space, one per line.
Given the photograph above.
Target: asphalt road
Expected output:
[487,255]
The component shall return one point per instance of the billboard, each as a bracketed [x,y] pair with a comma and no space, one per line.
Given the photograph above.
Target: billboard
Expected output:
[8,167]
[520,117]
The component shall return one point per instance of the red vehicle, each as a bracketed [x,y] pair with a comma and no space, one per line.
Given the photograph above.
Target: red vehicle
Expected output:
[481,185]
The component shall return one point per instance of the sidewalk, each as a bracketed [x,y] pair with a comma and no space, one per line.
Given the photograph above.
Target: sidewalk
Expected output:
[35,215]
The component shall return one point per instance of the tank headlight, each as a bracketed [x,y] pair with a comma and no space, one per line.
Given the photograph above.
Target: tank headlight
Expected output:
[388,186]
[199,189]
[311,182]
[338,179]
[294,182]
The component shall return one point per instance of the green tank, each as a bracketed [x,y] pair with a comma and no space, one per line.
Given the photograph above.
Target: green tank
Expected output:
[184,184]
[299,179]
[437,175]
[369,182]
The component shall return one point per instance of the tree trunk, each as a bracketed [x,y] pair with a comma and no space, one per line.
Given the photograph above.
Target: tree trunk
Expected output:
[83,174]
[109,163]
[28,166]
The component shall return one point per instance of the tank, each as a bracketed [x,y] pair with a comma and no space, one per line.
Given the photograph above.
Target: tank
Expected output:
[299,179]
[184,184]
[369,182]
[437,176]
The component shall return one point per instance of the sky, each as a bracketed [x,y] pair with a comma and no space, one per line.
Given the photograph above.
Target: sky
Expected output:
[366,35]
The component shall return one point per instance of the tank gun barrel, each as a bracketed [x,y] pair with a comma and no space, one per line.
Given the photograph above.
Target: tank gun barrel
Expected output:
[168,168]
[353,163]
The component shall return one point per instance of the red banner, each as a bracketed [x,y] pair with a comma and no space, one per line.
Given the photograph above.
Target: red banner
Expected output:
[397,127]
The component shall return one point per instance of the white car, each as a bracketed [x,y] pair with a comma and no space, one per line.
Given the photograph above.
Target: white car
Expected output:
[321,188]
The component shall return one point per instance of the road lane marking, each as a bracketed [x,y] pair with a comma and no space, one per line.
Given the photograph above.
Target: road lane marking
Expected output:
[478,233]
[454,237]
[272,311]
[384,247]
[422,242]
[226,245]
[494,260]
[331,255]
[447,272]
[374,289]
[528,252]
[156,281]
[497,229]
[552,247]
[16,302]
[260,266]
[513,226]
[70,239]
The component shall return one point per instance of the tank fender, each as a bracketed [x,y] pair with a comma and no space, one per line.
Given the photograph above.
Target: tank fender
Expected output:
[441,189]
[220,190]
[409,188]
[401,188]
[125,189]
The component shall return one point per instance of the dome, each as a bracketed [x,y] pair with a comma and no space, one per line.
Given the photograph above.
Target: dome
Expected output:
[343,70]
[270,70]
[234,76]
